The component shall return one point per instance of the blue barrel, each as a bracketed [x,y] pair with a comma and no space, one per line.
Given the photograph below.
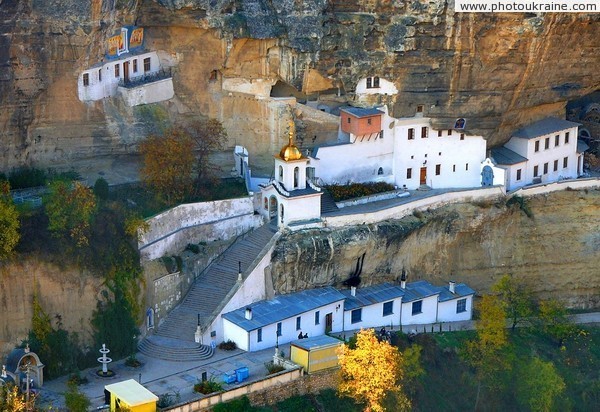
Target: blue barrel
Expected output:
[229,377]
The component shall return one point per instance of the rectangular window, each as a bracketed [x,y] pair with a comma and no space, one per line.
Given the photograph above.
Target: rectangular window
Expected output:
[279,329]
[518,174]
[146,64]
[369,83]
[565,162]
[409,173]
[348,120]
[298,323]
[86,79]
[213,333]
[545,168]
[556,140]
[454,168]
[555,165]
[356,316]
[467,166]
[411,134]
[547,143]
[100,75]
[417,307]
[375,81]
[423,132]
[438,169]
[461,305]
[381,134]
[317,318]
[420,108]
[388,308]
[135,65]
[259,335]
[462,136]
[449,132]
[566,137]
[537,145]
[369,120]
[117,70]
[439,133]
[535,171]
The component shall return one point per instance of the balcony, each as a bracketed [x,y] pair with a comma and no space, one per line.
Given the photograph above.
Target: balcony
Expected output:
[162,74]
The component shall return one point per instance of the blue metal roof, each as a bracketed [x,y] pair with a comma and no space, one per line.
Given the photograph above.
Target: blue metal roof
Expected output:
[371,295]
[267,312]
[581,146]
[419,290]
[544,126]
[504,156]
[460,291]
[317,342]
[361,112]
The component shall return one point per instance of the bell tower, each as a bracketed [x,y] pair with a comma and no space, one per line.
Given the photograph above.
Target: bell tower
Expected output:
[290,165]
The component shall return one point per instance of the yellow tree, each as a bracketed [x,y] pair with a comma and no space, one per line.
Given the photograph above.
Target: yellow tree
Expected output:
[11,400]
[168,164]
[370,371]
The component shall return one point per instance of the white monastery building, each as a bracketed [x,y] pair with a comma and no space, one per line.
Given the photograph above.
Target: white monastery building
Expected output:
[316,312]
[138,76]
[542,152]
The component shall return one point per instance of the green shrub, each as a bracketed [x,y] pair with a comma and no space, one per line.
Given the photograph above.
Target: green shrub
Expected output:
[522,203]
[77,379]
[354,190]
[24,177]
[208,386]
[101,189]
[273,368]
[167,399]
[75,400]
[192,247]
[132,361]
[229,345]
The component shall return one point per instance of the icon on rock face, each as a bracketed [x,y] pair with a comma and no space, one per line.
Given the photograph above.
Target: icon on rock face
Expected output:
[460,123]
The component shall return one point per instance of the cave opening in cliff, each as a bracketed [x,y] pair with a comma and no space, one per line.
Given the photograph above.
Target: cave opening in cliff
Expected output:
[586,111]
[284,89]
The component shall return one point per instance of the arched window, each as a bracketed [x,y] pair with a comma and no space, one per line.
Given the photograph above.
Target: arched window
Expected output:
[296,176]
[281,173]
[380,171]
[266,204]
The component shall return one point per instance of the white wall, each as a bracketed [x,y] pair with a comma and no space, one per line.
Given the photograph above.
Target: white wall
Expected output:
[236,334]
[356,162]
[372,316]
[450,152]
[428,312]
[385,87]
[171,230]
[447,310]
[108,86]
[297,209]
[157,91]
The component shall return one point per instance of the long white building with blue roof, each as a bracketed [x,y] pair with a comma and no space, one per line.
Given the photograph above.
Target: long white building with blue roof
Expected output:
[318,311]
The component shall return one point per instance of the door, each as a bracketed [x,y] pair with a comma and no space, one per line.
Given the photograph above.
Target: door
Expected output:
[126,72]
[423,178]
[487,176]
[328,322]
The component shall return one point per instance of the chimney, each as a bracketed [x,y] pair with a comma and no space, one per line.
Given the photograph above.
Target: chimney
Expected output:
[248,314]
[403,279]
[353,290]
[451,285]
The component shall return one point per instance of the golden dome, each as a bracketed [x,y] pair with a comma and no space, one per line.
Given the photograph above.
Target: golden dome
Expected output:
[290,151]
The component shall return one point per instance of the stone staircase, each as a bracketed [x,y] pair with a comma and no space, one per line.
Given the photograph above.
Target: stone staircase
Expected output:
[327,203]
[174,338]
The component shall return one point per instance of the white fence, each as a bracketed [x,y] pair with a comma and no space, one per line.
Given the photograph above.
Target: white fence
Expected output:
[542,188]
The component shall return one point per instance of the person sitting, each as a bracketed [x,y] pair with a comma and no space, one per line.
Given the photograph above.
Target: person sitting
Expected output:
[300,335]
[306,335]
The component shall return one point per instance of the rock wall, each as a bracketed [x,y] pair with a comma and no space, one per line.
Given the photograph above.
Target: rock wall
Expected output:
[63,292]
[555,253]
[496,70]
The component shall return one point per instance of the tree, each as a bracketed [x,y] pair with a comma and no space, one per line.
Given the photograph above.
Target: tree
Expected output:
[75,400]
[554,321]
[9,222]
[209,136]
[484,353]
[11,400]
[101,189]
[540,384]
[70,210]
[370,371]
[515,298]
[413,368]
[168,164]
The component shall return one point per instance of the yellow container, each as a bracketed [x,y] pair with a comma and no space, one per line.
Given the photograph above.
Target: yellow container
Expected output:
[315,354]
[131,395]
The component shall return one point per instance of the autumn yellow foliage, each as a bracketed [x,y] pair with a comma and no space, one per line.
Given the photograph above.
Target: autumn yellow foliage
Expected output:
[371,371]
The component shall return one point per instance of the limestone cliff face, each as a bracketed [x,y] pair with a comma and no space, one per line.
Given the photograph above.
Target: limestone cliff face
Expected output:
[556,252]
[497,70]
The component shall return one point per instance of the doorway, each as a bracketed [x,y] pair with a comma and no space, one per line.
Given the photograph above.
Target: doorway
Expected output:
[126,72]
[423,177]
[328,322]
